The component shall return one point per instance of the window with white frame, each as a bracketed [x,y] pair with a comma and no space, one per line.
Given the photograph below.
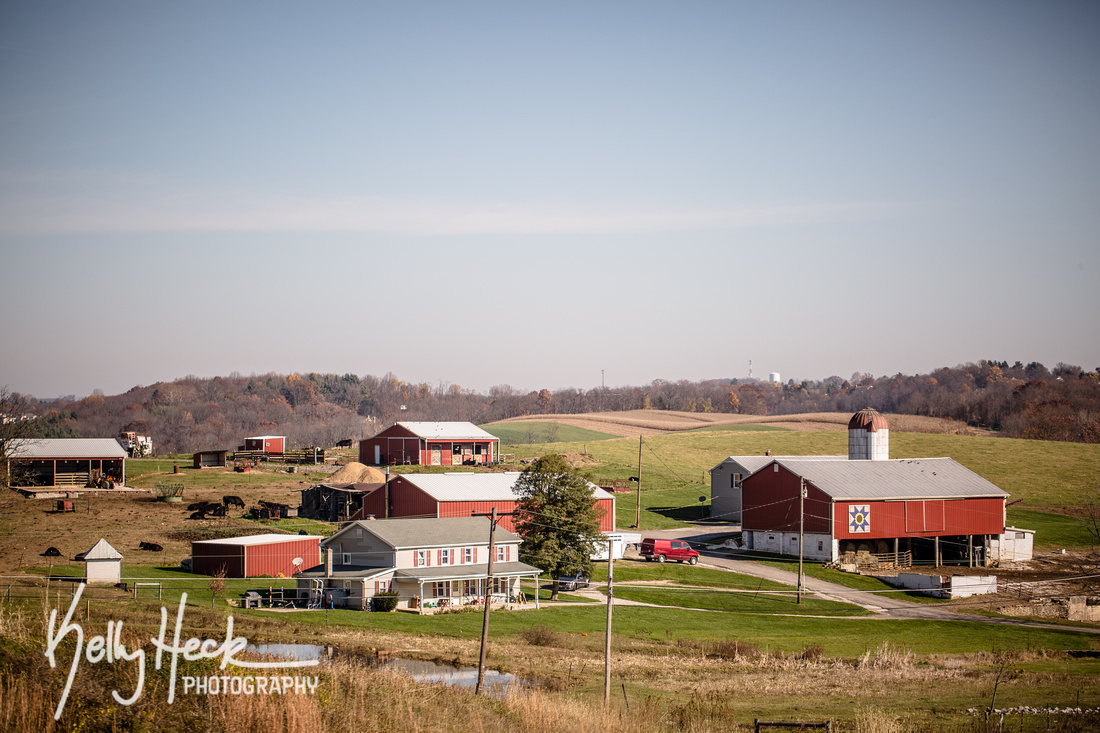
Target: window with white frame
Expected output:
[444,557]
[468,555]
[345,558]
[502,553]
[441,589]
[421,559]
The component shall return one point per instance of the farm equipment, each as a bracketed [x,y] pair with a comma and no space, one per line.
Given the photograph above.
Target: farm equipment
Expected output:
[137,446]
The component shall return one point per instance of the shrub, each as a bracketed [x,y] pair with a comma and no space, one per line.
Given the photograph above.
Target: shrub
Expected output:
[812,653]
[539,636]
[384,602]
[736,649]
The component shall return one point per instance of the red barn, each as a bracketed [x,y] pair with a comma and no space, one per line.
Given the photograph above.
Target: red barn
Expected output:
[934,508]
[442,495]
[430,444]
[266,443]
[255,555]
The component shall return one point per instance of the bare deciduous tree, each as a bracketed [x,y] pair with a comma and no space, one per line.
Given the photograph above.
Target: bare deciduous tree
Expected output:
[16,426]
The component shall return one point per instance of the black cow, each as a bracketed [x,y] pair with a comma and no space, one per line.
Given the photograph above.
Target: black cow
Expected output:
[51,552]
[198,515]
[229,501]
[344,443]
[151,547]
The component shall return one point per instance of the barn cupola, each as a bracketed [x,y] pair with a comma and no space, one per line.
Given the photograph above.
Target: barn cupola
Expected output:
[868,436]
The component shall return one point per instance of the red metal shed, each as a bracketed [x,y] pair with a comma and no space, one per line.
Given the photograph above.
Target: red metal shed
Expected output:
[255,555]
[442,495]
[266,443]
[430,444]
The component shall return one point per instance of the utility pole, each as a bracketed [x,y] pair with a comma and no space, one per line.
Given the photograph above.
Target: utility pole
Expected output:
[801,530]
[488,595]
[638,513]
[607,633]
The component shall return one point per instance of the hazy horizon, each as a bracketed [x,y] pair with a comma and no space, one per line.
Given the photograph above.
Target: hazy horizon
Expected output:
[487,194]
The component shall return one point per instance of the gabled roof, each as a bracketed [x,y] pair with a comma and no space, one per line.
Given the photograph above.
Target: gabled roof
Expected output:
[752,464]
[903,478]
[476,486]
[402,534]
[70,448]
[447,431]
[102,550]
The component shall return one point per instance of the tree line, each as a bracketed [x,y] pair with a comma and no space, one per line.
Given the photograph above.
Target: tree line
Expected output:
[192,413]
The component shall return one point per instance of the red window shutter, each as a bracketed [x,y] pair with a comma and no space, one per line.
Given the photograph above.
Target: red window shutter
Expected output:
[508,553]
[454,551]
[428,557]
[439,557]
[475,554]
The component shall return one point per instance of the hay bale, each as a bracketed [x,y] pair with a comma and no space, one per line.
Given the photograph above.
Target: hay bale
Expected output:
[357,473]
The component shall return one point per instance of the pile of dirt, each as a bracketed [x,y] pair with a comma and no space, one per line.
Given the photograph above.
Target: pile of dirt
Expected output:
[357,473]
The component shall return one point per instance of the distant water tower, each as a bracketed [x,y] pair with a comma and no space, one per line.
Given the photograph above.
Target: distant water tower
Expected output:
[868,436]
[774,377]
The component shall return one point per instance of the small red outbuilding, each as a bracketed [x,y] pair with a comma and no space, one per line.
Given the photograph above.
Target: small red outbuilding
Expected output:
[273,555]
[431,444]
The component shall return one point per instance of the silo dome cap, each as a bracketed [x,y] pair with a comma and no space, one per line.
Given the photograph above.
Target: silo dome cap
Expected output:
[868,419]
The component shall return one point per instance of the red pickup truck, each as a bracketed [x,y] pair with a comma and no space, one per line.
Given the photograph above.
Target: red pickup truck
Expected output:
[664,550]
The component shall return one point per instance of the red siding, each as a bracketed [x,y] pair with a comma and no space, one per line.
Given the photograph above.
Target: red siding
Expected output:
[407,500]
[276,558]
[398,445]
[467,508]
[242,561]
[929,518]
[209,559]
[770,503]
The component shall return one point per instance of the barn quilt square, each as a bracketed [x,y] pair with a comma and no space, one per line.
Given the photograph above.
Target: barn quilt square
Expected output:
[859,518]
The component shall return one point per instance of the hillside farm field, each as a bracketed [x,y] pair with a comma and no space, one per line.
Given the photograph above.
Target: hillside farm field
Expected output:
[710,649]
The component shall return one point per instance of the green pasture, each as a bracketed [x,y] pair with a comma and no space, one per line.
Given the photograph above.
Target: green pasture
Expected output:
[848,580]
[838,636]
[1052,531]
[174,583]
[146,477]
[516,433]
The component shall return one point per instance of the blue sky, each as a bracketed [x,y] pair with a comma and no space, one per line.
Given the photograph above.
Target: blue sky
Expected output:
[486,193]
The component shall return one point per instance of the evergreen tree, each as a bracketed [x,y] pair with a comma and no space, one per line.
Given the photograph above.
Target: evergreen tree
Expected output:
[557,517]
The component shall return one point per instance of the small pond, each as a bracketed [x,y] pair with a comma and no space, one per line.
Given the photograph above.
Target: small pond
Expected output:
[430,672]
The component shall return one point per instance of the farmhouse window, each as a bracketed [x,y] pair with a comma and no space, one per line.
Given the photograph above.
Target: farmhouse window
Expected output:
[735,480]
[775,468]
[444,557]
[421,559]
[441,589]
[820,546]
[345,558]
[502,553]
[469,555]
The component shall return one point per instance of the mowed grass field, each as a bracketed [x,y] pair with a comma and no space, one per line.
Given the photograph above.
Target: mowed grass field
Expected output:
[1050,479]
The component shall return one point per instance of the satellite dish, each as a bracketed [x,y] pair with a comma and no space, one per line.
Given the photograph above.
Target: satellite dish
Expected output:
[297,562]
[702,498]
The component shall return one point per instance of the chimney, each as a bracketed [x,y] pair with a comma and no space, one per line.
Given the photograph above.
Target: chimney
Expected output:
[328,562]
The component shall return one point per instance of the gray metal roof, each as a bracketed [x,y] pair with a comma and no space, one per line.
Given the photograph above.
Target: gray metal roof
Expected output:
[476,486]
[70,448]
[345,572]
[754,463]
[903,478]
[452,572]
[447,430]
[102,550]
[425,533]
[259,539]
